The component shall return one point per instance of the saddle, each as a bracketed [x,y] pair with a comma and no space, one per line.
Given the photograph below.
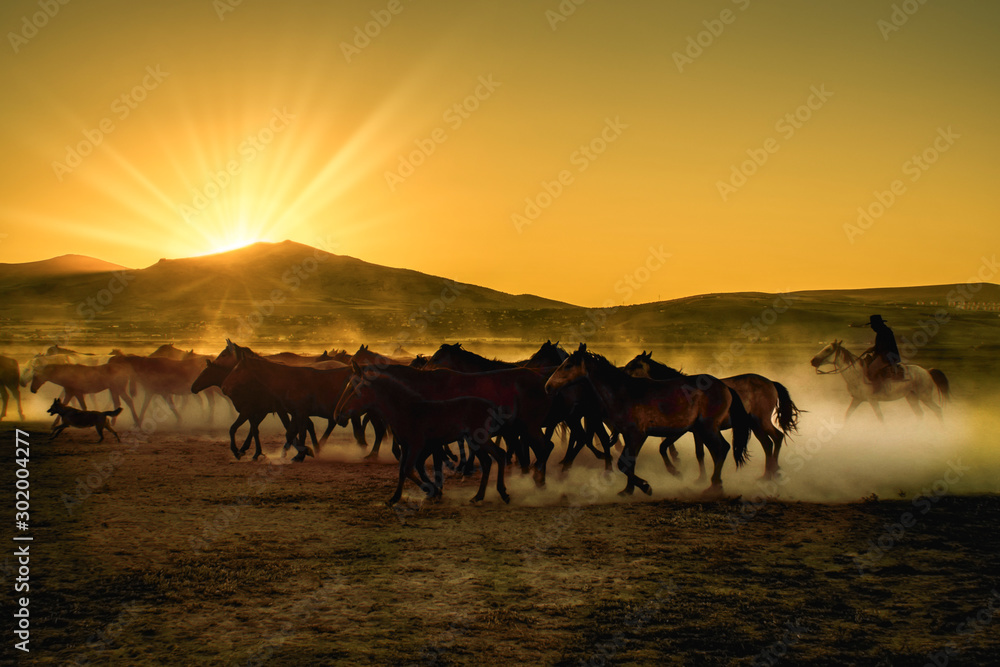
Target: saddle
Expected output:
[878,372]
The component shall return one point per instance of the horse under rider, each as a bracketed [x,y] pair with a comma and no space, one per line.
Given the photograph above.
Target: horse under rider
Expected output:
[883,357]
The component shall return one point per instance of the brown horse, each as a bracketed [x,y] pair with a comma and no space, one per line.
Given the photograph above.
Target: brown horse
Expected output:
[302,392]
[457,358]
[253,402]
[761,397]
[519,392]
[422,427]
[160,376]
[10,381]
[78,380]
[639,407]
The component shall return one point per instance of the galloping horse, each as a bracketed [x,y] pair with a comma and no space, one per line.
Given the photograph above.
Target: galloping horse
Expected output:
[640,407]
[10,382]
[78,380]
[761,397]
[917,386]
[422,427]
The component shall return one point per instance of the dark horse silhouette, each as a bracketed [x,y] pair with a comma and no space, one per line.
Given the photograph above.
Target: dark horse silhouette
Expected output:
[761,397]
[252,401]
[422,427]
[641,407]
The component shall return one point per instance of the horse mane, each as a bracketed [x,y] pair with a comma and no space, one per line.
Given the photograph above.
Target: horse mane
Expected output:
[663,368]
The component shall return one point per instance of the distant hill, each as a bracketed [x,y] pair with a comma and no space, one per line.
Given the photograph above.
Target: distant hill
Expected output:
[65,265]
[280,289]
[297,295]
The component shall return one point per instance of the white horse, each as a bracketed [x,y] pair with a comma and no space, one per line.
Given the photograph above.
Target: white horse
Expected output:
[917,386]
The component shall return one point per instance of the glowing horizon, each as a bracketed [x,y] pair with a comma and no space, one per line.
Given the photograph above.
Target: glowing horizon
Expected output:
[741,142]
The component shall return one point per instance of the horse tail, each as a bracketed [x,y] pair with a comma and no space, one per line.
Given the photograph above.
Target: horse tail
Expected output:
[788,412]
[740,421]
[941,382]
[563,430]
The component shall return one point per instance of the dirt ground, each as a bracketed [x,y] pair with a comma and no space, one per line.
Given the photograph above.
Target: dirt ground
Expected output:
[168,551]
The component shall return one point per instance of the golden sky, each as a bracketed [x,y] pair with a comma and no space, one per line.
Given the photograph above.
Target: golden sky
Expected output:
[512,144]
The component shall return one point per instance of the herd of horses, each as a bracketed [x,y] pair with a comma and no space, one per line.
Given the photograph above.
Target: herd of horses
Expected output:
[494,411]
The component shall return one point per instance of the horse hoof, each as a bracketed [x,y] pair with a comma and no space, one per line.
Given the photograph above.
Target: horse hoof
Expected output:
[625,492]
[647,489]
[505,498]
[476,500]
[371,457]
[713,491]
[677,474]
[236,454]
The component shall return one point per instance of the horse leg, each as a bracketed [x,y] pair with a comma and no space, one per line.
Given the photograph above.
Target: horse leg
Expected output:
[602,435]
[3,391]
[573,448]
[17,395]
[359,431]
[469,465]
[380,431]
[542,448]
[855,402]
[232,436]
[673,453]
[170,404]
[424,482]
[131,406]
[255,434]
[145,404]
[928,401]
[665,446]
[778,437]
[877,410]
[626,463]
[330,424]
[485,463]
[699,453]
[914,404]
[718,448]
[770,463]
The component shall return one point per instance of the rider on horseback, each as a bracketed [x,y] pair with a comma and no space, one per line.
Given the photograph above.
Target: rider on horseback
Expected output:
[882,360]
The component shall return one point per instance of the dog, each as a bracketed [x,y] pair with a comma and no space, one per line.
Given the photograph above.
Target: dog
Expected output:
[82,419]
